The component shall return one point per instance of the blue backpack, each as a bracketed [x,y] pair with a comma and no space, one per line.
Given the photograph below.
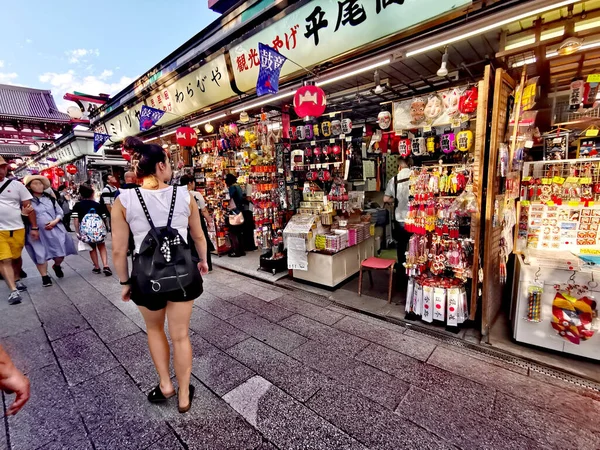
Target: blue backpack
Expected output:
[92,229]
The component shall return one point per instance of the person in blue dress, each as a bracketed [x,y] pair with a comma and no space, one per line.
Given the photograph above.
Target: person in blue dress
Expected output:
[54,242]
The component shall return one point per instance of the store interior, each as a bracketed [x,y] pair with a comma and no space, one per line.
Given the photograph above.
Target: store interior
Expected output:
[501,129]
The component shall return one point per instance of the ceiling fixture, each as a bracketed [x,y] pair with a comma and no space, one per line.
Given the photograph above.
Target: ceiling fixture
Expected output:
[378,87]
[209,128]
[210,119]
[244,118]
[443,70]
[571,43]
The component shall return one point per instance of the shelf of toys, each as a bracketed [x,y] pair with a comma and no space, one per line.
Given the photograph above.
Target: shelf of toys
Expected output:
[558,242]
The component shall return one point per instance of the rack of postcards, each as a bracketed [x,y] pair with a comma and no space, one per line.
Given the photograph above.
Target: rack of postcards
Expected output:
[439,258]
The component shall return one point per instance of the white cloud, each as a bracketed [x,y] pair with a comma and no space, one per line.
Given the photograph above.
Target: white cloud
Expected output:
[106,74]
[29,41]
[8,78]
[71,81]
[1,63]
[78,54]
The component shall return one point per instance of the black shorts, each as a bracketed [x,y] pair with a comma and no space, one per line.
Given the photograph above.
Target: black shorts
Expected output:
[156,302]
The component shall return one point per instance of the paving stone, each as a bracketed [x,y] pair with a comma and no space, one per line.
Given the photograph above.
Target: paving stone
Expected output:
[133,353]
[222,290]
[435,381]
[49,298]
[461,427]
[260,307]
[394,340]
[29,350]
[218,307]
[217,370]
[49,415]
[340,341]
[70,441]
[110,323]
[489,359]
[210,423]
[266,445]
[83,356]
[369,422]
[315,299]
[293,377]
[373,383]
[546,428]
[561,401]
[284,421]
[131,310]
[274,335]
[17,319]
[63,321]
[307,309]
[168,442]
[117,414]
[214,330]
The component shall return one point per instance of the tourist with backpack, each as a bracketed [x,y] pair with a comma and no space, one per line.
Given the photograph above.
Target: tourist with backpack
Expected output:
[90,219]
[54,243]
[164,278]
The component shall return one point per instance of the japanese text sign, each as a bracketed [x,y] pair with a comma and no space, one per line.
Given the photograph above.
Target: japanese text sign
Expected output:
[271,63]
[323,29]
[149,117]
[99,140]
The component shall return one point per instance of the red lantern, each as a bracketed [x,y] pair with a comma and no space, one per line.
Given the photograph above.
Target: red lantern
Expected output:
[186,136]
[71,169]
[46,173]
[59,172]
[310,101]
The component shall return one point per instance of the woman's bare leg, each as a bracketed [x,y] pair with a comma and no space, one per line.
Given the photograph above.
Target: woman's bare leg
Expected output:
[178,315]
[159,347]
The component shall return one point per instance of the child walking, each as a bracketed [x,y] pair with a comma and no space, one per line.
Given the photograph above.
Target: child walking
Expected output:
[91,222]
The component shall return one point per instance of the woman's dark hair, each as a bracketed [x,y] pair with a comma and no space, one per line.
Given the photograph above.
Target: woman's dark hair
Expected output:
[230,179]
[86,191]
[145,156]
[62,187]
[186,179]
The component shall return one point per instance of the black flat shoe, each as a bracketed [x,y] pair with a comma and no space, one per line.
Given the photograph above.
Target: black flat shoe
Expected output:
[58,271]
[188,407]
[156,395]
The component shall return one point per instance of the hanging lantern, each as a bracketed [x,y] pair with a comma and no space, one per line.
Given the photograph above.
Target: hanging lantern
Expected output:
[60,172]
[46,173]
[310,101]
[71,169]
[186,136]
[244,117]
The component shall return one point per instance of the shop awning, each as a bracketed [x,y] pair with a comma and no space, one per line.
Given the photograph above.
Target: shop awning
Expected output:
[14,150]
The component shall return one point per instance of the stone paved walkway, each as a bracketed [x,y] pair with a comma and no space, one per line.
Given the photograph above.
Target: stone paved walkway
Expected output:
[273,369]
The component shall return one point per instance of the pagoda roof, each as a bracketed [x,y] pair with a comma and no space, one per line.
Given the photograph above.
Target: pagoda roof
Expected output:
[29,104]
[14,150]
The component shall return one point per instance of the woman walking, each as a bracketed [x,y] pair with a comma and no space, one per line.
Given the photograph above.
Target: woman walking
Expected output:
[163,280]
[54,242]
[236,231]
[190,183]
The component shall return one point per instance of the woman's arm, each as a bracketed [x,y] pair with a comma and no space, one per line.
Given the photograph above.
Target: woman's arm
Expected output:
[59,212]
[197,235]
[120,237]
[206,214]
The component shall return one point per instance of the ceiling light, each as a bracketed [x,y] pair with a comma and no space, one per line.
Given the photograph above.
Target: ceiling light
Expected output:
[244,117]
[378,87]
[443,70]
[264,102]
[209,128]
[493,26]
[150,140]
[202,122]
[354,72]
[169,133]
[569,46]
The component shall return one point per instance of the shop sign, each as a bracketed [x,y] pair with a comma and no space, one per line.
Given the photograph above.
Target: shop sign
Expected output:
[204,87]
[125,124]
[323,29]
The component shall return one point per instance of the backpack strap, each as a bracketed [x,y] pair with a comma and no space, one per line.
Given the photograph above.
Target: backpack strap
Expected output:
[172,209]
[147,213]
[4,186]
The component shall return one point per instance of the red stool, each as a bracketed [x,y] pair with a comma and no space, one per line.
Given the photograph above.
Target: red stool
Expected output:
[374,263]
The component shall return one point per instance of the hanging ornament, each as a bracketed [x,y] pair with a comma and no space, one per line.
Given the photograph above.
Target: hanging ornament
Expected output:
[433,109]
[60,172]
[309,132]
[186,136]
[404,147]
[447,143]
[244,117]
[300,132]
[336,127]
[384,119]
[326,128]
[310,101]
[71,169]
[346,126]
[292,133]
[468,101]
[417,111]
[418,146]
[451,101]
[336,149]
[464,140]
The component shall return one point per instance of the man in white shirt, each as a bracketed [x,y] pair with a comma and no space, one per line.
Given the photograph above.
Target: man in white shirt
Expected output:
[15,199]
[397,192]
[110,191]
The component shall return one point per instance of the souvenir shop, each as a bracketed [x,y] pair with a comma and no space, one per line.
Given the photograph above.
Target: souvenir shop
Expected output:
[498,118]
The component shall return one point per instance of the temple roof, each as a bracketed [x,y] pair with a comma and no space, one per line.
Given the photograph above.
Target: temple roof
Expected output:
[14,150]
[29,104]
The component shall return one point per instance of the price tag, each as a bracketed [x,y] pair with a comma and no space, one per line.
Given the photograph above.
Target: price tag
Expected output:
[399,132]
[332,141]
[526,179]
[546,180]
[573,203]
[342,136]
[585,180]
[279,170]
[558,180]
[525,203]
[590,251]
[573,180]
[529,144]
[313,142]
[591,133]
[456,123]
[349,139]
[427,129]
[557,140]
[593,78]
[550,203]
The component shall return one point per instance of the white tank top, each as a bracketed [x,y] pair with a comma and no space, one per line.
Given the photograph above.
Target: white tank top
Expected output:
[158,202]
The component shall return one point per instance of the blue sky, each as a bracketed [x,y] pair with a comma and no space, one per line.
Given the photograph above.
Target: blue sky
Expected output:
[92,47]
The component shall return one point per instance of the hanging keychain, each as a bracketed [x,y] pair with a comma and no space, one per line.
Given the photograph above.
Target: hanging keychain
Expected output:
[534,299]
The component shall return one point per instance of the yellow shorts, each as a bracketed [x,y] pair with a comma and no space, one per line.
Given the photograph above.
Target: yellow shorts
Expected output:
[11,244]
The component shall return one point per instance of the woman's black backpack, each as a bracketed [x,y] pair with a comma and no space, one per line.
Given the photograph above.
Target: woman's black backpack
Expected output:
[164,267]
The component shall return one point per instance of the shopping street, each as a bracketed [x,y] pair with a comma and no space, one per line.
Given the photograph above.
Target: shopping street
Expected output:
[273,368]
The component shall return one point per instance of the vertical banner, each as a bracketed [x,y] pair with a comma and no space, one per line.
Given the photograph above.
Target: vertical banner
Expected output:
[149,116]
[271,63]
[99,140]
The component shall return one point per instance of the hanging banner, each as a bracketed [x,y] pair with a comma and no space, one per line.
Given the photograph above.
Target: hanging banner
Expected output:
[149,117]
[99,140]
[271,63]
[323,29]
[125,124]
